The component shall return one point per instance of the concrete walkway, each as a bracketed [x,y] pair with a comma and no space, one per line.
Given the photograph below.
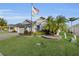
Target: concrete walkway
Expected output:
[7,35]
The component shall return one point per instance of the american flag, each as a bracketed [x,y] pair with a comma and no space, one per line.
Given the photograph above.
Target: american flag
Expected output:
[34,11]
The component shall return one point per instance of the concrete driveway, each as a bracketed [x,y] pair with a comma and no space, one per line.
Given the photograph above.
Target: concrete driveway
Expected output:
[7,35]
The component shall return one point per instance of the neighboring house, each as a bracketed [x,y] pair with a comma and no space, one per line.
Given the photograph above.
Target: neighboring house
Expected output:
[24,26]
[11,28]
[20,27]
[39,24]
[75,29]
[27,24]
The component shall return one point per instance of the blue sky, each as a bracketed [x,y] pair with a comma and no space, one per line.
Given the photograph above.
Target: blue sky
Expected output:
[54,9]
[15,13]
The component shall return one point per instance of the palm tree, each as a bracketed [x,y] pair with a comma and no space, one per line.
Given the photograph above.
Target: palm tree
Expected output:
[49,22]
[61,24]
[55,24]
[71,20]
[50,26]
[61,20]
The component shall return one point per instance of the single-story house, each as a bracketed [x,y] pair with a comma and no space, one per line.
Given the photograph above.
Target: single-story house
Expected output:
[11,28]
[20,27]
[39,24]
[24,26]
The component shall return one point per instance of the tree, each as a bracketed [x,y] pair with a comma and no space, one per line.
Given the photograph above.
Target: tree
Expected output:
[3,22]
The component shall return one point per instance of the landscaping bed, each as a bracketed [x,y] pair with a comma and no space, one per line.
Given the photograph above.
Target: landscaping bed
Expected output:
[52,37]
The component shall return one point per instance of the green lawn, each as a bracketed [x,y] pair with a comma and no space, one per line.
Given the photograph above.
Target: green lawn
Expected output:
[21,45]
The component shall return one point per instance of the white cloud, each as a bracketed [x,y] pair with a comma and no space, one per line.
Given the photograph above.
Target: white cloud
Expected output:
[6,11]
[10,14]
[1,16]
[16,17]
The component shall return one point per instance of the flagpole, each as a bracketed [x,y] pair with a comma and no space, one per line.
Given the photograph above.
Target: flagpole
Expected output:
[31,18]
[33,11]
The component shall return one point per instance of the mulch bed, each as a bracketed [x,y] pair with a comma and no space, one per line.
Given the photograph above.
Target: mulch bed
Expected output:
[51,37]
